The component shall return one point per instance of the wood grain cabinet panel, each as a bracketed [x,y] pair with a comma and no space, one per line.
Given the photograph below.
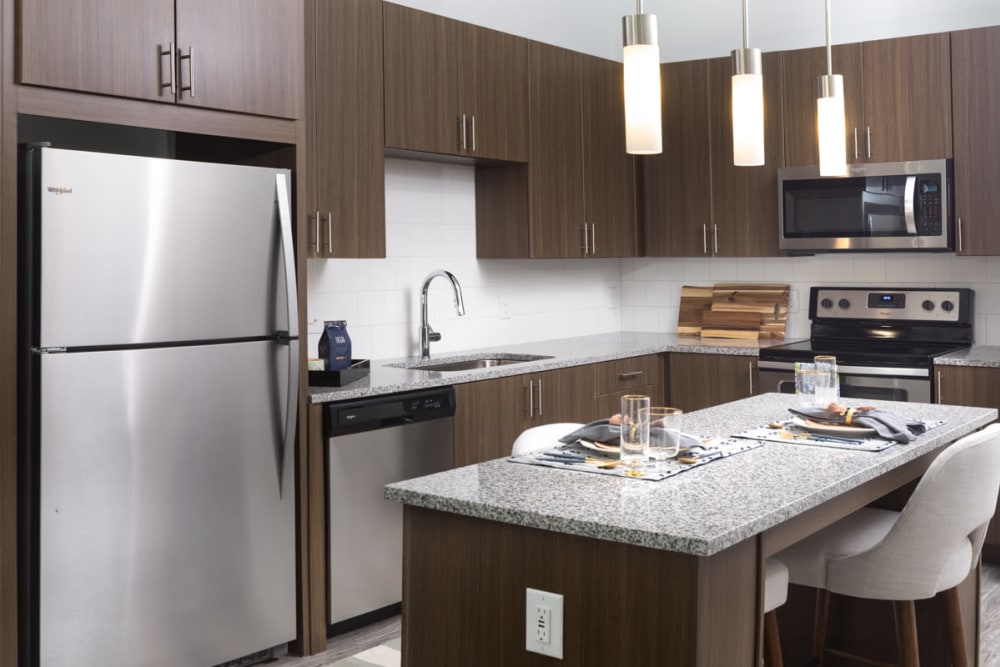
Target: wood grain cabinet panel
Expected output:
[980,388]
[897,95]
[345,183]
[238,55]
[703,380]
[975,100]
[453,88]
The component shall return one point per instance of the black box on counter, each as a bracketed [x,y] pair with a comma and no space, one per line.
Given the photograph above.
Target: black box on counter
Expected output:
[358,369]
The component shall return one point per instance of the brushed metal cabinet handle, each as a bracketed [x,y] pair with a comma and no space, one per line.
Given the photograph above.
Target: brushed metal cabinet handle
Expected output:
[960,235]
[464,133]
[190,58]
[585,248]
[329,232]
[750,368]
[316,243]
[715,239]
[539,397]
[704,239]
[868,140]
[593,239]
[172,84]
[855,143]
[473,128]
[531,398]
[939,397]
[630,374]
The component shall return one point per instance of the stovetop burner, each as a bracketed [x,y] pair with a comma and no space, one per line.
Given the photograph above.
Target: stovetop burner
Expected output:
[892,327]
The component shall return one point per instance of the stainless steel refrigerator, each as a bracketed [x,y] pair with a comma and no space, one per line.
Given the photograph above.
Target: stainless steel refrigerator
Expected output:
[158,377]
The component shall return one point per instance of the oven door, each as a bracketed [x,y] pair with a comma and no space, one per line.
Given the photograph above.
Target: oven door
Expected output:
[876,383]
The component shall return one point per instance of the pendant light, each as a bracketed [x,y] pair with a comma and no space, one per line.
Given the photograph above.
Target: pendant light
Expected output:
[643,131]
[748,102]
[831,124]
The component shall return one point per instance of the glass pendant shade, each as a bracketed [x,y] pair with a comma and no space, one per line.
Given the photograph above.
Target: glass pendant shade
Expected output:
[643,130]
[831,126]
[748,109]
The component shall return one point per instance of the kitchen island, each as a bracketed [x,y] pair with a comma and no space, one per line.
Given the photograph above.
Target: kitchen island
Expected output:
[651,572]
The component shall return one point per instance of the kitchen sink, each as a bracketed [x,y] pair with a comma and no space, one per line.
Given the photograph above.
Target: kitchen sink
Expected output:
[491,360]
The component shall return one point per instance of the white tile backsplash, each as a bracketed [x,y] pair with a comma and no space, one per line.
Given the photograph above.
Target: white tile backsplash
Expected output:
[430,224]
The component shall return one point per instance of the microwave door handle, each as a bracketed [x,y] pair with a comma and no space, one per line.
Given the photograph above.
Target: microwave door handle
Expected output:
[909,204]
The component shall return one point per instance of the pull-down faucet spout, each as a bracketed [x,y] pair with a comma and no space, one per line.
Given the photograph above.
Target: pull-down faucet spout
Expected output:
[427,334]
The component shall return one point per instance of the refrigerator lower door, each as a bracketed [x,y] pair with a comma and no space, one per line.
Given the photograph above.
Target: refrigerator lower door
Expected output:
[167,509]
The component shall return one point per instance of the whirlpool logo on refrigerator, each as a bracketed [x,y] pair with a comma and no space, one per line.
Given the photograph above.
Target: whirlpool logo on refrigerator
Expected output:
[59,190]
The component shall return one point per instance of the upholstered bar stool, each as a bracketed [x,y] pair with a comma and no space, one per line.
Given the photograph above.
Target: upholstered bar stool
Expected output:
[775,594]
[540,437]
[929,547]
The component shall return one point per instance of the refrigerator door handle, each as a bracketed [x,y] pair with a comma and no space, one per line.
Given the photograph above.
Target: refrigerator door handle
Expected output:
[291,407]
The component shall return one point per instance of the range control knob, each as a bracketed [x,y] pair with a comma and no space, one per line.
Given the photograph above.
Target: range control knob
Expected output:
[844,303]
[928,304]
[947,306]
[826,303]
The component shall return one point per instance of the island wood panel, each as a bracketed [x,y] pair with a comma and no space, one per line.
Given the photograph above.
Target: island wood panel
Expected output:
[701,380]
[977,387]
[800,70]
[471,574]
[907,97]
[744,204]
[677,208]
[609,186]
[975,99]
[344,132]
[555,171]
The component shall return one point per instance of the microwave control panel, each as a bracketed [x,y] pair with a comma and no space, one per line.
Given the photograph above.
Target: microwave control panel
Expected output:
[928,206]
[845,303]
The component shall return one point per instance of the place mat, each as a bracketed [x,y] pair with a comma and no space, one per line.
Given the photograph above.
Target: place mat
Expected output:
[789,432]
[577,457]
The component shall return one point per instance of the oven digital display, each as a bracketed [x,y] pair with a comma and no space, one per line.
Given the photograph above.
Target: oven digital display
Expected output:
[886,300]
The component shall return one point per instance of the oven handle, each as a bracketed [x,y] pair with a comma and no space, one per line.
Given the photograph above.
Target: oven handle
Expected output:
[852,370]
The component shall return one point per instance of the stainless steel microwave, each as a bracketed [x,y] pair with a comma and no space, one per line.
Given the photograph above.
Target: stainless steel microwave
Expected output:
[880,206]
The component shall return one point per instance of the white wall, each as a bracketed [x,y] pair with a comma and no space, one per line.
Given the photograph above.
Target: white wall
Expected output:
[430,208]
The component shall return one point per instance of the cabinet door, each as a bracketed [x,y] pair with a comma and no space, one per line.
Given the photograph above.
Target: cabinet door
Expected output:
[976,98]
[344,140]
[608,171]
[703,380]
[555,172]
[110,47]
[499,107]
[422,74]
[744,199]
[489,415]
[565,395]
[677,183]
[800,70]
[907,84]
[245,55]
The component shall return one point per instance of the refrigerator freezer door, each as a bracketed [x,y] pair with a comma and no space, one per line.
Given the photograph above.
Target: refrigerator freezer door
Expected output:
[150,250]
[167,506]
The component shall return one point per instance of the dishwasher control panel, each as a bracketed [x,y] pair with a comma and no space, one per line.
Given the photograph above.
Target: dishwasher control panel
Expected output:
[376,412]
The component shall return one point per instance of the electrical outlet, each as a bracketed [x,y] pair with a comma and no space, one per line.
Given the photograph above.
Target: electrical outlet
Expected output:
[543,632]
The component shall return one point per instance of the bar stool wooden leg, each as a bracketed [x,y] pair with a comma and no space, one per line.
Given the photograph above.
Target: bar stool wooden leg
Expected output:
[820,624]
[772,641]
[906,633]
[956,633]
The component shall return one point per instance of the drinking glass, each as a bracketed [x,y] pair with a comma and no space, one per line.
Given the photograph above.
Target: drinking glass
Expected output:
[635,433]
[805,383]
[664,432]
[826,379]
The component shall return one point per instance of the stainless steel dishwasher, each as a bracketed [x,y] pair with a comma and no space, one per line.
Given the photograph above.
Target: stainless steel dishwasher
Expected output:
[370,443]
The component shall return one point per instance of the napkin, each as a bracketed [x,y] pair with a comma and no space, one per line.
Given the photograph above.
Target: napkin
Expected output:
[604,432]
[887,424]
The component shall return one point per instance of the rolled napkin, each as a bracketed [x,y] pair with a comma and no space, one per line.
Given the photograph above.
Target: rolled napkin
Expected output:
[888,425]
[608,433]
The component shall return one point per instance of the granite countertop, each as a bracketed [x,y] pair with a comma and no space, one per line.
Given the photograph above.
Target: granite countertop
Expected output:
[389,376]
[983,356]
[701,511]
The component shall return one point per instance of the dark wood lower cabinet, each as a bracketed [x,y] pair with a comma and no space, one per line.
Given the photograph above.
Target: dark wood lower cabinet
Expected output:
[702,380]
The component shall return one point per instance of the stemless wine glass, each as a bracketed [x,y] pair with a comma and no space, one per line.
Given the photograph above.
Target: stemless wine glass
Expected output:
[664,432]
[635,433]
[826,379]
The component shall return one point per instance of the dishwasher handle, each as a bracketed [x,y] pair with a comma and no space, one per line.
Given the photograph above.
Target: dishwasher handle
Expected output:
[378,412]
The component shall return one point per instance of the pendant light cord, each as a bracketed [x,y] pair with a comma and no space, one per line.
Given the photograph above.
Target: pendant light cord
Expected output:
[746,26]
[829,48]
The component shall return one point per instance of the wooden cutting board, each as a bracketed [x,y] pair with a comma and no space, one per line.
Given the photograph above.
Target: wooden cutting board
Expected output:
[734,310]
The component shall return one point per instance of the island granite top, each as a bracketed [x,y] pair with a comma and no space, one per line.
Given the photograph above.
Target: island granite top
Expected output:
[389,376]
[699,512]
[980,356]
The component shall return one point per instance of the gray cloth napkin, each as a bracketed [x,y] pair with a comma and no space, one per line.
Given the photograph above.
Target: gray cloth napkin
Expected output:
[887,424]
[604,432]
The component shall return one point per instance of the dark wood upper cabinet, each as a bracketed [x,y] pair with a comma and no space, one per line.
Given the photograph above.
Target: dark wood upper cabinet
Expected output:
[345,183]
[744,199]
[976,98]
[677,184]
[609,185]
[897,99]
[454,88]
[231,55]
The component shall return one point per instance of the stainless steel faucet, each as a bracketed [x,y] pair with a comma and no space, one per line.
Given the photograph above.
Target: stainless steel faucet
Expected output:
[427,334]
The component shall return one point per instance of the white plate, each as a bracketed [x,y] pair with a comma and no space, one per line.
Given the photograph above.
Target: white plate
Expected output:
[600,447]
[833,429]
